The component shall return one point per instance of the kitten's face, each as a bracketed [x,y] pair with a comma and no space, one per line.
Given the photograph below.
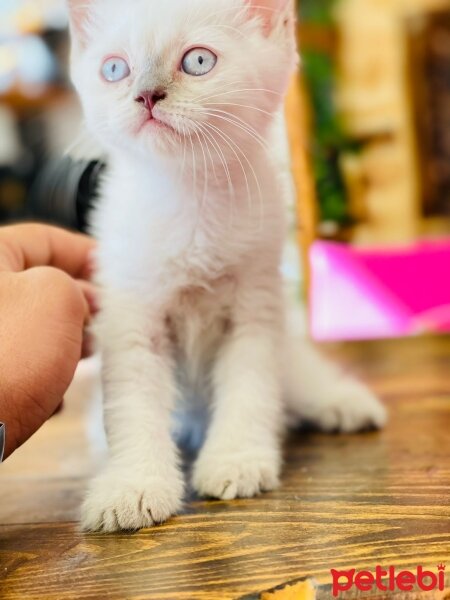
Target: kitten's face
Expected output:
[182,76]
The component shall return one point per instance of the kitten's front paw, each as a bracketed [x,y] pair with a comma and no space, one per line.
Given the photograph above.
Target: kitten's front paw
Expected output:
[227,475]
[350,407]
[123,500]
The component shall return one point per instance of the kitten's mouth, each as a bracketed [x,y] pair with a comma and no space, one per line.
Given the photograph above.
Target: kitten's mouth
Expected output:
[157,123]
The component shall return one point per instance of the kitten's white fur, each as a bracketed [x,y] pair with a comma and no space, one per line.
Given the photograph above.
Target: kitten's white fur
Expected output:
[191,228]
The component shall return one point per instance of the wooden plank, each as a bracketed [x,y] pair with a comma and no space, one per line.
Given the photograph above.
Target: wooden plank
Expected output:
[346,501]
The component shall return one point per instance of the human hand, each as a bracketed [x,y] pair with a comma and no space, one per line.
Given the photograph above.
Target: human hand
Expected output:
[45,304]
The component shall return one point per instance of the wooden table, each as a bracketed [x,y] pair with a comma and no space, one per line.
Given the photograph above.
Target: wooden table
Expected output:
[347,501]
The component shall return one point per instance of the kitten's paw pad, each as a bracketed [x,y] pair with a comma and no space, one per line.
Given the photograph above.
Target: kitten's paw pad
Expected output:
[352,407]
[118,501]
[234,475]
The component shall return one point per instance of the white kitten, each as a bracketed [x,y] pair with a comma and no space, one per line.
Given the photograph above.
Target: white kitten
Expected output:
[190,221]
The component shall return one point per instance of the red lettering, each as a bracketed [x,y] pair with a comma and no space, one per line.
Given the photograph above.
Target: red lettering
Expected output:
[380,575]
[422,575]
[345,586]
[405,581]
[364,581]
[441,578]
[392,579]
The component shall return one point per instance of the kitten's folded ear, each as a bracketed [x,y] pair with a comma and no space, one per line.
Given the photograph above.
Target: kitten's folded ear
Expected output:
[272,12]
[79,12]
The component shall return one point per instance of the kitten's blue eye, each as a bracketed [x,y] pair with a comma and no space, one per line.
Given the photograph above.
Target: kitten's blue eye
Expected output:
[198,61]
[115,69]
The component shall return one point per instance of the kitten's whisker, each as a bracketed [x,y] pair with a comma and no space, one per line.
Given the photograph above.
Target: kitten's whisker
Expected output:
[249,164]
[194,168]
[234,120]
[261,110]
[233,29]
[205,174]
[240,124]
[207,143]
[234,91]
[224,138]
[221,155]
[183,164]
[225,85]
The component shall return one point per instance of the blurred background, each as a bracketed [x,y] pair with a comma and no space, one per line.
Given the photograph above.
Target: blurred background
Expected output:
[39,117]
[373,124]
[378,76]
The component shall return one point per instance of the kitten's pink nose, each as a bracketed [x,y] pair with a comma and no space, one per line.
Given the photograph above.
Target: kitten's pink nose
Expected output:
[149,99]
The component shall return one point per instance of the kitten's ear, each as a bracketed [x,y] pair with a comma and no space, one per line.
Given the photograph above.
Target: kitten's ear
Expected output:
[272,12]
[79,12]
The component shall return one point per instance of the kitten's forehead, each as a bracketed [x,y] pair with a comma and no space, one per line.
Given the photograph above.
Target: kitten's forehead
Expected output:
[165,19]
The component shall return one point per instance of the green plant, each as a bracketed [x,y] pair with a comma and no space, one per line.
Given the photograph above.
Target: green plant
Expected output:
[328,140]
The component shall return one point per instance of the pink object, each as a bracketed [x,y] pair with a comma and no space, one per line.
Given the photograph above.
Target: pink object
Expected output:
[359,293]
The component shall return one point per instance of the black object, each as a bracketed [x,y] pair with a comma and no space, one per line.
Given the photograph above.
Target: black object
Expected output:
[64,191]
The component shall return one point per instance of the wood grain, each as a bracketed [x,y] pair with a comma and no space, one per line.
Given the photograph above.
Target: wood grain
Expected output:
[346,501]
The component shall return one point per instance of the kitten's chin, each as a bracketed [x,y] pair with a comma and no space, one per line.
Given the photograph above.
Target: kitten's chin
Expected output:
[153,137]
[150,137]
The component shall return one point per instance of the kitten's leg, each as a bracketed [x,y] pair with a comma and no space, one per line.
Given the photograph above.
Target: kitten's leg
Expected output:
[322,394]
[142,484]
[242,456]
